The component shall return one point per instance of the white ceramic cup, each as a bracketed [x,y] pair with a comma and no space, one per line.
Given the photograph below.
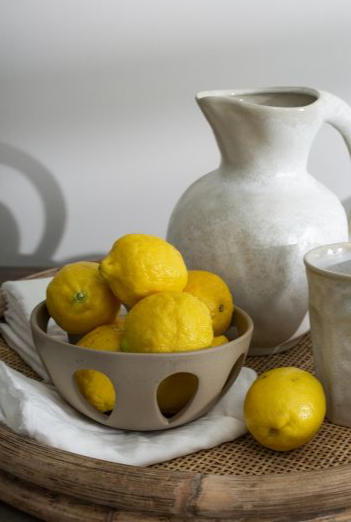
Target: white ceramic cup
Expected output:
[328,270]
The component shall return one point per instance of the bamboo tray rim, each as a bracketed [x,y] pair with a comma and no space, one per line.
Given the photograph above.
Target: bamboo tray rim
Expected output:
[177,493]
[290,496]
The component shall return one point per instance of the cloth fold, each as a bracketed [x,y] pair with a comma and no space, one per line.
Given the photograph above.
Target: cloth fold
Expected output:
[37,410]
[20,298]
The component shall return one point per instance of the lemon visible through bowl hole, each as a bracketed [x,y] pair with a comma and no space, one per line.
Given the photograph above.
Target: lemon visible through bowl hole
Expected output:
[167,322]
[95,386]
[175,391]
[215,294]
[79,299]
[284,408]
[139,265]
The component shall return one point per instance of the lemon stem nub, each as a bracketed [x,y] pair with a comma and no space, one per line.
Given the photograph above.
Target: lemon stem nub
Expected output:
[80,297]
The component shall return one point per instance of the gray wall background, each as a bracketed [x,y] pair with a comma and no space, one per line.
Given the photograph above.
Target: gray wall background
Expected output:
[99,130]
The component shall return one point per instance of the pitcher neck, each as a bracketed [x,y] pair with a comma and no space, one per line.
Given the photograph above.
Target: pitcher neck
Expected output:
[259,138]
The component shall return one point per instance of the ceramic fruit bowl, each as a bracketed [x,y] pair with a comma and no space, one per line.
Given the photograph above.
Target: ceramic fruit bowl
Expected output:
[136,376]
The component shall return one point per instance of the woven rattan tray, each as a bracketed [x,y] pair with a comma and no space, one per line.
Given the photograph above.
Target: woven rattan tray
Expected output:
[238,480]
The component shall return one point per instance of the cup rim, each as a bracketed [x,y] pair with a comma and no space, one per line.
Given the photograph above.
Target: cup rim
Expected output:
[149,355]
[313,253]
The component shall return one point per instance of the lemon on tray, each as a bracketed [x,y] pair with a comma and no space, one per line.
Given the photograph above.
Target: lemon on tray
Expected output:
[79,299]
[95,386]
[284,408]
[139,265]
[214,292]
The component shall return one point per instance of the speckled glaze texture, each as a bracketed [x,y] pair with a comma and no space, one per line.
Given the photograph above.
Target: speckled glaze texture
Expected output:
[252,220]
[330,316]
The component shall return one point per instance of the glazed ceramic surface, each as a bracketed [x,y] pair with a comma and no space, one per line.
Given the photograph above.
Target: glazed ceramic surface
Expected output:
[329,282]
[252,220]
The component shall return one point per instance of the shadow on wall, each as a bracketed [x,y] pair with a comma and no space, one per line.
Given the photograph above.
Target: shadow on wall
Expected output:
[54,210]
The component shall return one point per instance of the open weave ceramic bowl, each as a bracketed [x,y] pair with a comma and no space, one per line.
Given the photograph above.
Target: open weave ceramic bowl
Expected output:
[136,376]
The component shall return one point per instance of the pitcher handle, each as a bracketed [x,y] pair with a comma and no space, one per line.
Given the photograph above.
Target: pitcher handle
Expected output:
[338,114]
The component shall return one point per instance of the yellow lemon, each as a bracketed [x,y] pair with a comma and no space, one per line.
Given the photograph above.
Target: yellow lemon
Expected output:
[167,322]
[219,340]
[96,387]
[175,391]
[105,337]
[214,292]
[140,265]
[79,299]
[284,408]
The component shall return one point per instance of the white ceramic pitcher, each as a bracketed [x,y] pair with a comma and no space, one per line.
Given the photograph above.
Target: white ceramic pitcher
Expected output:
[252,220]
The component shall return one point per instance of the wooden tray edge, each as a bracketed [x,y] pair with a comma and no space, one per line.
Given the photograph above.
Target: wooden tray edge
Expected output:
[180,494]
[45,505]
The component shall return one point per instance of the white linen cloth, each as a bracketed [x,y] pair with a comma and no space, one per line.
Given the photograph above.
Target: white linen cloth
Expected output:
[37,410]
[21,297]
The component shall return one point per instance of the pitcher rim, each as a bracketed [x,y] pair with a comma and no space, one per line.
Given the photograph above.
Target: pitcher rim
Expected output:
[232,95]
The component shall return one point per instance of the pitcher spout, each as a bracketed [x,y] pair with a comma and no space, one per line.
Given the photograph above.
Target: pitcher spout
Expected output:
[274,125]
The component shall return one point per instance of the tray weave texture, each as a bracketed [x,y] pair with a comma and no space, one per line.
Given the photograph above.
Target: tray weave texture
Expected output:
[244,456]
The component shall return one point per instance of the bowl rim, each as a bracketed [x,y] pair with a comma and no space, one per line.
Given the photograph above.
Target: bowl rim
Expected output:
[246,335]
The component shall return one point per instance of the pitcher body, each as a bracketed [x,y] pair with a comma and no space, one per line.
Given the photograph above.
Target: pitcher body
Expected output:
[252,220]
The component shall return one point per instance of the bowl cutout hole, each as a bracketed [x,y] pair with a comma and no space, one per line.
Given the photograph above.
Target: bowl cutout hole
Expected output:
[175,392]
[96,389]
[234,372]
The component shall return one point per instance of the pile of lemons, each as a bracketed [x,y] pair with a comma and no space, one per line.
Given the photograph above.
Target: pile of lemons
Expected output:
[169,309]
